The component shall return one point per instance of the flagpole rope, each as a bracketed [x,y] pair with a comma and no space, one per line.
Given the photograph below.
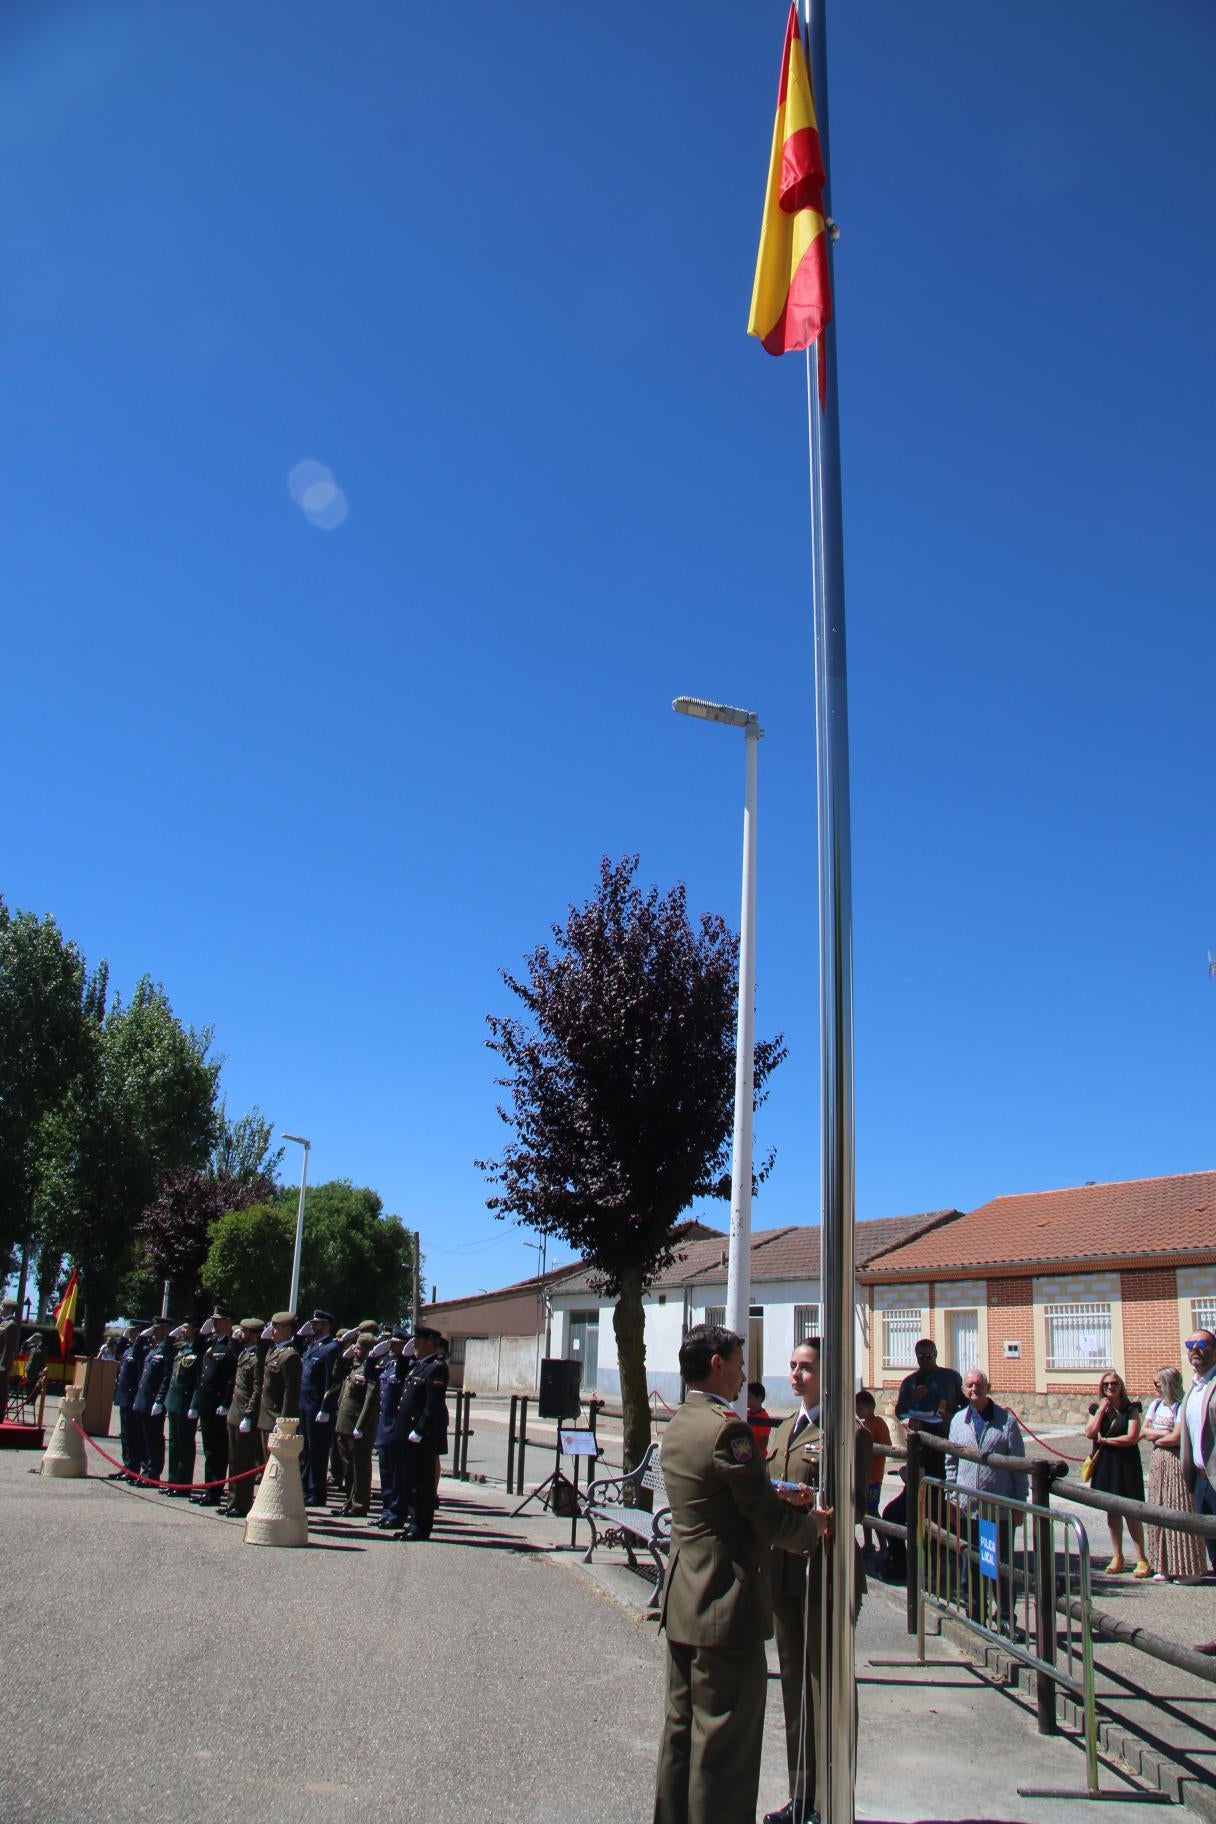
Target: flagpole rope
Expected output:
[154,1481]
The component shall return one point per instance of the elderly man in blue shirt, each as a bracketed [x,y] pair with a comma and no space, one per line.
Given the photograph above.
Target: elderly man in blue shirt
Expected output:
[983,1425]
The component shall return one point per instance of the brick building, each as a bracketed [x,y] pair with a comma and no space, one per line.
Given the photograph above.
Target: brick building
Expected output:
[1047,1289]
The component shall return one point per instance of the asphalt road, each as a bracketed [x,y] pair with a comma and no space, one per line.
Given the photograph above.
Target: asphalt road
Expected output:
[169,1672]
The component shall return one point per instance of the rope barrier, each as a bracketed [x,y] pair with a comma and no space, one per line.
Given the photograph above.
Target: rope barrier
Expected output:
[154,1481]
[1043,1441]
[656,1395]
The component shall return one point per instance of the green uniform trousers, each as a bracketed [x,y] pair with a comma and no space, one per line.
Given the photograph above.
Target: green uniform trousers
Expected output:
[709,1759]
[799,1635]
[244,1452]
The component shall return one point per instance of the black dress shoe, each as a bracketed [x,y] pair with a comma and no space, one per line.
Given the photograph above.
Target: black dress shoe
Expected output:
[344,1511]
[792,1812]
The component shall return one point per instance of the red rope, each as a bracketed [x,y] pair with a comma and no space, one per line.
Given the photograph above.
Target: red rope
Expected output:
[656,1395]
[153,1481]
[1043,1441]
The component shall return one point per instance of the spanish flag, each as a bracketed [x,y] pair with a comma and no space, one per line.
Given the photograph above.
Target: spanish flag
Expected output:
[65,1315]
[792,296]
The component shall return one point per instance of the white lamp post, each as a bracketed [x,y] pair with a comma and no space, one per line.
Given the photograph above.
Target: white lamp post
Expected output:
[295,1265]
[738,1270]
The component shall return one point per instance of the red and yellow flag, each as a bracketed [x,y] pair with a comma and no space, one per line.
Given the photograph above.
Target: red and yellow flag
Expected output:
[65,1315]
[792,295]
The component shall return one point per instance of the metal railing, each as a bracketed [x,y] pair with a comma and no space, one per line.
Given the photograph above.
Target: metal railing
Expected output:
[967,1569]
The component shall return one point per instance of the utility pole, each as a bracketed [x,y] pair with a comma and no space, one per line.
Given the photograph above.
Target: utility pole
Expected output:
[416,1306]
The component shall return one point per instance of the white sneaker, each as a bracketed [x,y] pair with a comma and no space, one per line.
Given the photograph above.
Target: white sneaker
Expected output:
[1160,1577]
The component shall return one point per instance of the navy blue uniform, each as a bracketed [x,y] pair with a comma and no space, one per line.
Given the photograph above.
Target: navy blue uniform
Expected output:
[317,1378]
[126,1386]
[422,1415]
[217,1372]
[152,1389]
[392,1385]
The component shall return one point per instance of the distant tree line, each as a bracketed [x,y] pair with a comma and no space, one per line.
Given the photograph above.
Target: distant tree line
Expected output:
[117,1154]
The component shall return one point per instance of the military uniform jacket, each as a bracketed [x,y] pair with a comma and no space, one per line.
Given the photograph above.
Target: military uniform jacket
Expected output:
[320,1371]
[155,1377]
[216,1374]
[178,1394]
[390,1387]
[359,1404]
[725,1514]
[280,1386]
[10,1344]
[422,1407]
[246,1386]
[798,1461]
[131,1367]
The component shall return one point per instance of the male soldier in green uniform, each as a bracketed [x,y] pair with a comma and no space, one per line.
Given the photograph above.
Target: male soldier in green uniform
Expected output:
[717,1608]
[793,1456]
[281,1375]
[179,1392]
[10,1347]
[355,1427]
[244,1438]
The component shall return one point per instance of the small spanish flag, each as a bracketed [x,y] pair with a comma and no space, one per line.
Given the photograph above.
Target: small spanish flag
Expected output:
[792,295]
[65,1315]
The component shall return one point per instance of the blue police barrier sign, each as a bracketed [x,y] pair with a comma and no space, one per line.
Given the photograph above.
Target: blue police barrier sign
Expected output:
[988,1564]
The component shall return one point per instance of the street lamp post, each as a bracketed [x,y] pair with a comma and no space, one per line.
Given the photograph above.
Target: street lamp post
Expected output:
[295,1264]
[738,1270]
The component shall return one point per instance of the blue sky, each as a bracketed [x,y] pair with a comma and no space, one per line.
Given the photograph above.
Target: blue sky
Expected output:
[492,270]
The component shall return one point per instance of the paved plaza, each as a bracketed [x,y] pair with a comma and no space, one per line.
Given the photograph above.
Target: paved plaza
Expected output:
[169,1672]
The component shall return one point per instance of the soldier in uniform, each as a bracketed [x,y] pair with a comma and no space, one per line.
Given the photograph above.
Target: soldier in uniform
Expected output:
[216,1373]
[420,1422]
[126,1385]
[148,1404]
[794,1456]
[280,1377]
[355,1426]
[320,1376]
[391,1383]
[10,1347]
[244,1439]
[178,1397]
[717,1609]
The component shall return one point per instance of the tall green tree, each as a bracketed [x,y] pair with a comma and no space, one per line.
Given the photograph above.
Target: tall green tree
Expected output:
[621,1093]
[143,1105]
[356,1261]
[48,1004]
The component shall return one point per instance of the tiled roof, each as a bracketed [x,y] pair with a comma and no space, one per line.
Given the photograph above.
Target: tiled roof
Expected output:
[789,1253]
[1137,1219]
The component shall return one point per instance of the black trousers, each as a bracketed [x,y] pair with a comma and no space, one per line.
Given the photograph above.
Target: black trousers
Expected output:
[390,1483]
[314,1458]
[152,1443]
[214,1432]
[418,1488]
[181,1447]
[128,1432]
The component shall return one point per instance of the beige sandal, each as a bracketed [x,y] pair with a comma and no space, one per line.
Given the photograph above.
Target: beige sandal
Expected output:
[1143,1568]
[1116,1565]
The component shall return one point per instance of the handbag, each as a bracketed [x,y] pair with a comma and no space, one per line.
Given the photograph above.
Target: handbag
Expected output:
[1087,1468]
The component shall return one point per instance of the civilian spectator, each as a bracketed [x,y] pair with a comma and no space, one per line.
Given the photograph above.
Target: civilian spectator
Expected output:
[1114,1434]
[1199,1429]
[983,1425]
[760,1421]
[928,1400]
[880,1432]
[1173,1556]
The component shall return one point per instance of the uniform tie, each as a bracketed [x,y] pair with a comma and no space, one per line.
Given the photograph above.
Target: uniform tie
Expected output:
[800,1425]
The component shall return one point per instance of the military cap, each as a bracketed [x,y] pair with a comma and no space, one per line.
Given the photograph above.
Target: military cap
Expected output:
[251,1323]
[430,1334]
[283,1317]
[160,1320]
[222,1310]
[326,1317]
[401,1332]
[369,1323]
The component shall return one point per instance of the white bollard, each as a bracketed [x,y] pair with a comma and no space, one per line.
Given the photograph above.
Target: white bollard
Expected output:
[64,1455]
[278,1515]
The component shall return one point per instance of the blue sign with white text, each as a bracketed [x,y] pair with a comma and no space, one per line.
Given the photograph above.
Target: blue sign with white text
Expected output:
[988,1564]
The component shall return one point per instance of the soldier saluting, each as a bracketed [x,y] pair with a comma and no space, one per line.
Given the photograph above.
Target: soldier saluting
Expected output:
[244,1438]
[420,1421]
[216,1374]
[281,1374]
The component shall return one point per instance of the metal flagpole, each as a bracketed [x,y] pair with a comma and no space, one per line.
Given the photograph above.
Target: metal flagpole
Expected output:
[836,1723]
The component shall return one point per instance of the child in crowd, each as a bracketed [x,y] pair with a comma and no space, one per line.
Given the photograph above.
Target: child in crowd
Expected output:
[880,1433]
[759,1420]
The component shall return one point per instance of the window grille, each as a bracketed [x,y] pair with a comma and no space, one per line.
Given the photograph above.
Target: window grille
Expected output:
[901,1330]
[456,1350]
[1203,1313]
[716,1314]
[1079,1335]
[806,1322]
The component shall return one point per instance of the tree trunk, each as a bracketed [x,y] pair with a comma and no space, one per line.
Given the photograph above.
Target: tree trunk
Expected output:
[629,1326]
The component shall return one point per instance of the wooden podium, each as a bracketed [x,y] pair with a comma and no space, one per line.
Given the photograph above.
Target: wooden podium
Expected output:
[96,1379]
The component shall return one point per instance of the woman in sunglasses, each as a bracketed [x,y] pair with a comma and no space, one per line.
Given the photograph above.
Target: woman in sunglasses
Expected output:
[1114,1434]
[1176,1557]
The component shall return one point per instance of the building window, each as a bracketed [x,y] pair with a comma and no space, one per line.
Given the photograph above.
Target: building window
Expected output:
[806,1322]
[456,1350]
[901,1329]
[716,1314]
[1203,1314]
[1079,1335]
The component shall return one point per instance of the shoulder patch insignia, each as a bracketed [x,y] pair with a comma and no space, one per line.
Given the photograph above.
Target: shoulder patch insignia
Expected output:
[741,1450]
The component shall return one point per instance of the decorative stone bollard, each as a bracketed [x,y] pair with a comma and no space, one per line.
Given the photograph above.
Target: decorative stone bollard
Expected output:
[64,1455]
[278,1515]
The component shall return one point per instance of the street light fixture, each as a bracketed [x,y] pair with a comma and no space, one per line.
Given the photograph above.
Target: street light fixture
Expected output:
[295,1264]
[738,1270]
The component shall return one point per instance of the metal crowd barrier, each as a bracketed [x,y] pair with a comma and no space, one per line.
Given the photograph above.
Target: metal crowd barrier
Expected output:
[971,1568]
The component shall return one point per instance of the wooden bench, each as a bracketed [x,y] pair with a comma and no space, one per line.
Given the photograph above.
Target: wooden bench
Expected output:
[614,1520]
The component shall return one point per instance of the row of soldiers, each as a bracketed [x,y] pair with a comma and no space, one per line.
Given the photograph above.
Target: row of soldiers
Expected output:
[226,1383]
